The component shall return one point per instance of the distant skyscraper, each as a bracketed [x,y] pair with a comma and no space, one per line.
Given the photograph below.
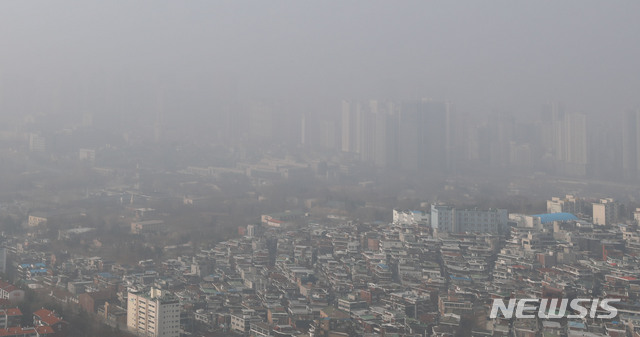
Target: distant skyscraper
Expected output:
[355,128]
[424,136]
[551,112]
[552,119]
[551,115]
[87,119]
[328,136]
[366,120]
[576,144]
[231,128]
[36,143]
[262,120]
[348,129]
[386,134]
[159,119]
[494,140]
[606,151]
[303,129]
[413,135]
[631,145]
[559,136]
[409,136]
[570,144]
[369,130]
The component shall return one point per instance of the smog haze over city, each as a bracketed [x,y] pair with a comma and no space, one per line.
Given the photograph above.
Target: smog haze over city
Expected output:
[319,168]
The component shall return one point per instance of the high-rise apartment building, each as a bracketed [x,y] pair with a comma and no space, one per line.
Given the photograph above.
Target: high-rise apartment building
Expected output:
[350,127]
[570,142]
[153,314]
[424,136]
[606,151]
[386,134]
[576,144]
[494,140]
[631,145]
[370,131]
[412,135]
[36,143]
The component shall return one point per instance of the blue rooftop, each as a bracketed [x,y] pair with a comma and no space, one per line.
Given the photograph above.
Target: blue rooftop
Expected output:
[580,325]
[551,217]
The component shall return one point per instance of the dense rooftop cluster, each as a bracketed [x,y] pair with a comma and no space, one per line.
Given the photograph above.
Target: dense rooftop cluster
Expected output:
[293,274]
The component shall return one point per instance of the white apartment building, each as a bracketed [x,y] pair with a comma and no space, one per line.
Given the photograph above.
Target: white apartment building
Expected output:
[636,216]
[568,204]
[410,217]
[153,314]
[605,212]
[451,220]
[241,321]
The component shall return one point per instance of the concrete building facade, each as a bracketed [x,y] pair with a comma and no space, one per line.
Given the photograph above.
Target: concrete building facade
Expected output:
[153,314]
[448,219]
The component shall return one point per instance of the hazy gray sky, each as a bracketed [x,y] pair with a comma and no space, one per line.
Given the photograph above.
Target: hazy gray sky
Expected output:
[479,54]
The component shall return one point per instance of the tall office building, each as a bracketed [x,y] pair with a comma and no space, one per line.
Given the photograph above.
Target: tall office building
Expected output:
[153,314]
